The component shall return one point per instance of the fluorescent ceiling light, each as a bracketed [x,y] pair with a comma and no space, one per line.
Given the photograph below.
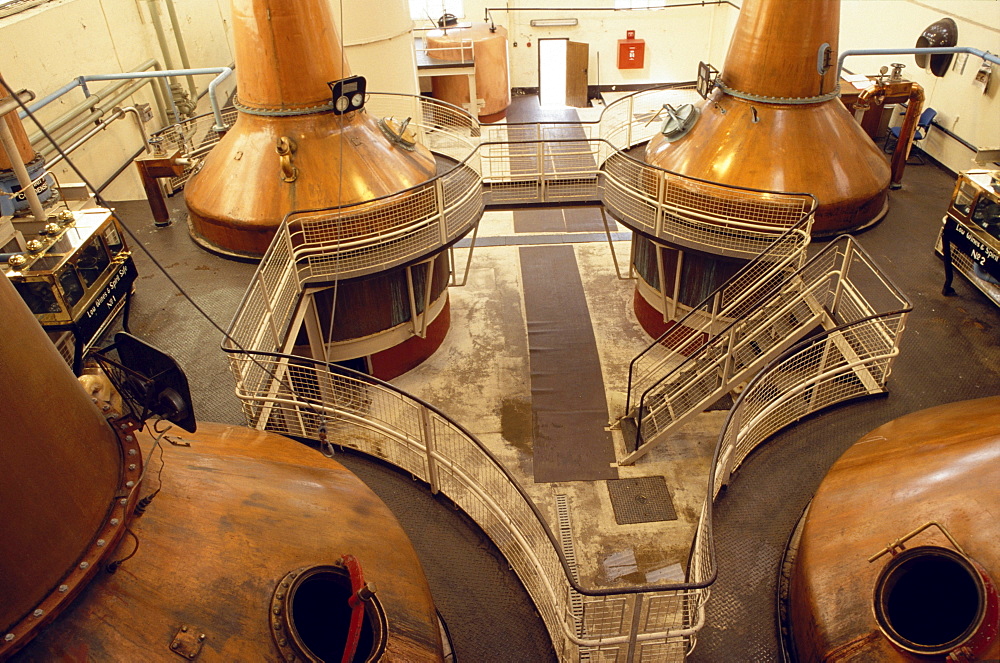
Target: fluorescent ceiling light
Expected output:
[553,22]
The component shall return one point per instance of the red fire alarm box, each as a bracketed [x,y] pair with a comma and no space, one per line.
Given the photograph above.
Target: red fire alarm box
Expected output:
[631,51]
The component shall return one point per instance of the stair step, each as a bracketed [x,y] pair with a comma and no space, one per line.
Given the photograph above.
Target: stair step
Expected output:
[631,433]
[724,403]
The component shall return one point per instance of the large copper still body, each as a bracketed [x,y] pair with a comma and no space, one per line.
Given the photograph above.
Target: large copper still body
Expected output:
[488,47]
[240,557]
[775,122]
[289,151]
[930,594]
[286,54]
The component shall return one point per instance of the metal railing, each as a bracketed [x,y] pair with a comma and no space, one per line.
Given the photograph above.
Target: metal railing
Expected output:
[842,364]
[310,399]
[732,300]
[725,220]
[840,285]
[376,235]
[194,138]
[519,163]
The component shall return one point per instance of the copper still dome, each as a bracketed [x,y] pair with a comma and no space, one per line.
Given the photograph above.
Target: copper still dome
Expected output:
[288,150]
[775,122]
[851,596]
[242,556]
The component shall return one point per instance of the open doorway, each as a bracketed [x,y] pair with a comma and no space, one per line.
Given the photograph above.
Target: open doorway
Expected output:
[562,73]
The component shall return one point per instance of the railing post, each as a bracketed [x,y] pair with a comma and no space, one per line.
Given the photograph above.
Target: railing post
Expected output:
[314,329]
[427,433]
[633,633]
[411,292]
[628,125]
[824,358]
[716,305]
[540,156]
[270,310]
[662,276]
[727,365]
[440,205]
[844,269]
[661,192]
[728,459]
[900,327]
[678,273]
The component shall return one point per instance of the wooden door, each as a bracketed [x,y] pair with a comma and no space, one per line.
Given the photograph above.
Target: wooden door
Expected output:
[577,56]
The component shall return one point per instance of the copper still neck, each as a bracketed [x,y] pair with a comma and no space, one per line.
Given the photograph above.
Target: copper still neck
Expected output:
[287,51]
[775,122]
[782,50]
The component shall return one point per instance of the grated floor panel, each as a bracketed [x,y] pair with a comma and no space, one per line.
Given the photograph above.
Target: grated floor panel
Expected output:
[641,500]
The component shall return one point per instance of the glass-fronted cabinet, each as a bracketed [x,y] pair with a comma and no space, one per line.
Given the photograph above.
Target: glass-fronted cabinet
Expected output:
[75,275]
[970,238]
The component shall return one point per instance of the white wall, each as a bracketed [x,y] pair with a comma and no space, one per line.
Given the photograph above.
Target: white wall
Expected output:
[676,39]
[962,108]
[378,44]
[49,45]
[45,47]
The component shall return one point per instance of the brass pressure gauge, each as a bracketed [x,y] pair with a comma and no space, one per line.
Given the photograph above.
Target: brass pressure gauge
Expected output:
[348,94]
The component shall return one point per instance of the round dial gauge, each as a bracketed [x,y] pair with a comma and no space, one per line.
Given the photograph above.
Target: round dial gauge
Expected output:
[341,103]
[357,100]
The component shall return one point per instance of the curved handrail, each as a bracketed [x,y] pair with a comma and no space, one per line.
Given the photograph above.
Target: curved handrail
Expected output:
[435,119]
[336,369]
[793,390]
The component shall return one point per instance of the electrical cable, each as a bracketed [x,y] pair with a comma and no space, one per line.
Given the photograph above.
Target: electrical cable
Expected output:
[325,447]
[143,504]
[113,566]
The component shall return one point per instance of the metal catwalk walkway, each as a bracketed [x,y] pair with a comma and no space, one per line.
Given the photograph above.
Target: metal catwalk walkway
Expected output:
[950,352]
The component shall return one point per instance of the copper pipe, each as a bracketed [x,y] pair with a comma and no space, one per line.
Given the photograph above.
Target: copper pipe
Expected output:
[914,107]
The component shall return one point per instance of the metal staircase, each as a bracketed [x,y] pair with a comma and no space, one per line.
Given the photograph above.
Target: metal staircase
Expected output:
[696,363]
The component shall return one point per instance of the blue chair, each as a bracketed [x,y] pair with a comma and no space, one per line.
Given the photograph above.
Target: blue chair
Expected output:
[923,126]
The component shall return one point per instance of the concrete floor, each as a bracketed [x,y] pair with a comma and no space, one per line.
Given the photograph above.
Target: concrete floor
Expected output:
[481,377]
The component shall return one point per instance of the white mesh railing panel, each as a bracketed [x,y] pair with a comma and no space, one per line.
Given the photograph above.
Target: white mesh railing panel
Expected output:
[298,397]
[845,363]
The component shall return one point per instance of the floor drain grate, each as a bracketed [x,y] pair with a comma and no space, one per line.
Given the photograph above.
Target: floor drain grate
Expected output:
[641,500]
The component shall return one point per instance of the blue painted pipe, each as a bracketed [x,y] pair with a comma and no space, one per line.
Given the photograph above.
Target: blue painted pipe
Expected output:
[81,81]
[915,51]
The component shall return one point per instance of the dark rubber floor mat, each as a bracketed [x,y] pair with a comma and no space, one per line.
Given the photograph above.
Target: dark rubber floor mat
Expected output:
[561,220]
[567,386]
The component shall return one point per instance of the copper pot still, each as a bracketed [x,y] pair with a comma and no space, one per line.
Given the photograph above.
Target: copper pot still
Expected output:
[288,150]
[775,122]
[488,48]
